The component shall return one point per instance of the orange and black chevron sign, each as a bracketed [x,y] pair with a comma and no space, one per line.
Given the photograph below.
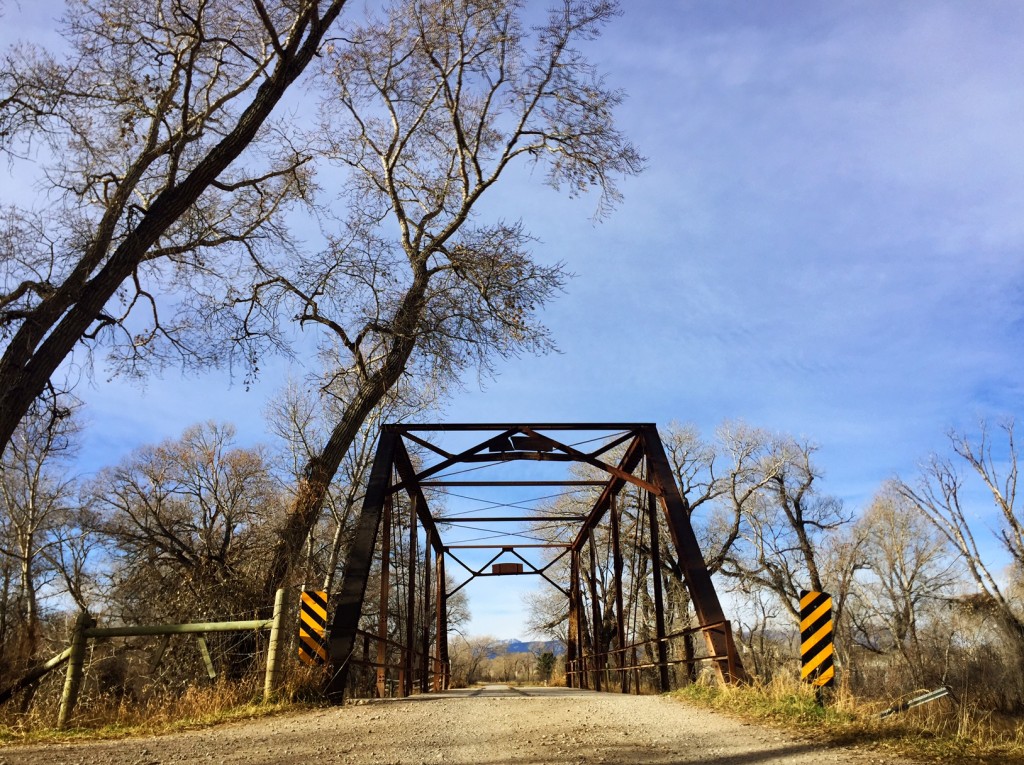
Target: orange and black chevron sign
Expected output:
[816,639]
[313,627]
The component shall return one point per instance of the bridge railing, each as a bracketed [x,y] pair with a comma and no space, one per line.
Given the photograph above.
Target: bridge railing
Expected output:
[628,664]
[385,668]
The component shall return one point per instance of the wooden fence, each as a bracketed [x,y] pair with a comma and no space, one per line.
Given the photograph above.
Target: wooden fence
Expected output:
[85,629]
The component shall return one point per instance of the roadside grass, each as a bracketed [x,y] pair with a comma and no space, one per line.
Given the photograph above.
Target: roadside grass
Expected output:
[941,732]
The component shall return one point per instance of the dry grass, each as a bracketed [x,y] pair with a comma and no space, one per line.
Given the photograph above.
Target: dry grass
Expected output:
[942,731]
[110,717]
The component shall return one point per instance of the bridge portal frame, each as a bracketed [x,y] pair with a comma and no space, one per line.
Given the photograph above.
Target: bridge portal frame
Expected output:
[506,443]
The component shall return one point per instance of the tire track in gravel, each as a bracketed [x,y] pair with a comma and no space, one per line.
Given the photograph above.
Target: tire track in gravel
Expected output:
[494,725]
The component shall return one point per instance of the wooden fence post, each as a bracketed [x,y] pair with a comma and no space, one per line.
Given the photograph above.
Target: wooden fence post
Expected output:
[204,653]
[270,680]
[76,668]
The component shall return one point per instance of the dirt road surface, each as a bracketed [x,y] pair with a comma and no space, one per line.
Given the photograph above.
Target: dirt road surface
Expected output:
[495,725]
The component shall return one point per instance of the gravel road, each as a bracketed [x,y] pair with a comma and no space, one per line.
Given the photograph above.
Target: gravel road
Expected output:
[495,725]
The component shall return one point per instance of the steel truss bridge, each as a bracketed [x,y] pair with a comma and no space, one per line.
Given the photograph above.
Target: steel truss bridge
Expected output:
[432,487]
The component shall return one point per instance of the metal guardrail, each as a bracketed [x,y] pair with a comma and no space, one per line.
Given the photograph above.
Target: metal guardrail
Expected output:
[938,693]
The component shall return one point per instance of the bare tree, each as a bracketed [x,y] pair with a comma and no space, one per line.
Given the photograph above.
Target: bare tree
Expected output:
[719,481]
[939,494]
[468,655]
[911,574]
[189,524]
[36,503]
[440,98]
[145,118]
[757,618]
[302,419]
[789,539]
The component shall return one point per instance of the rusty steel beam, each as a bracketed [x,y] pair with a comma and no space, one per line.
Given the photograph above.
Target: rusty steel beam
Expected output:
[513,428]
[408,658]
[611,444]
[470,570]
[425,639]
[423,442]
[473,574]
[462,456]
[507,519]
[547,545]
[406,474]
[512,483]
[634,453]
[578,456]
[520,456]
[557,558]
[659,600]
[620,622]
[349,605]
[596,623]
[385,597]
[439,606]
[442,624]
[536,570]
[572,650]
[695,572]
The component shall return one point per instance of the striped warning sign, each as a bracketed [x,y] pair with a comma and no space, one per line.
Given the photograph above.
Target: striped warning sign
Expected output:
[313,627]
[816,638]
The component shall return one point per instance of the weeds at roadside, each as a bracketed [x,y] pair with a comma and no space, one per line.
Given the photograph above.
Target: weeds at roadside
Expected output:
[110,717]
[948,733]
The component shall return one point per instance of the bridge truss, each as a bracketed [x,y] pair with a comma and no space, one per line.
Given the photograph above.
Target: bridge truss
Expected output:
[435,489]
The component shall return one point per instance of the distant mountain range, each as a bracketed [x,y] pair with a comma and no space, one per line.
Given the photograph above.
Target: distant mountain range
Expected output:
[557,647]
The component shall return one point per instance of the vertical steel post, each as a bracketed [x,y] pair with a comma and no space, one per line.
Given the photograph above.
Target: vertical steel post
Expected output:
[620,622]
[690,654]
[76,669]
[636,670]
[572,647]
[358,563]
[596,626]
[442,623]
[659,598]
[425,629]
[366,659]
[584,636]
[385,599]
[270,679]
[695,572]
[438,623]
[409,654]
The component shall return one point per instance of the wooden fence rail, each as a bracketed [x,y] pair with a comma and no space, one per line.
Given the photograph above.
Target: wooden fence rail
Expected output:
[86,630]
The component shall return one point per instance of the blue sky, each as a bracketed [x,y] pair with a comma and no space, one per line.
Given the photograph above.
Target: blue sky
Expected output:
[827,242]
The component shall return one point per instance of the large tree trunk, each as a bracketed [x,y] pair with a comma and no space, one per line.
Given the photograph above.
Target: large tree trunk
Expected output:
[54,327]
[320,470]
